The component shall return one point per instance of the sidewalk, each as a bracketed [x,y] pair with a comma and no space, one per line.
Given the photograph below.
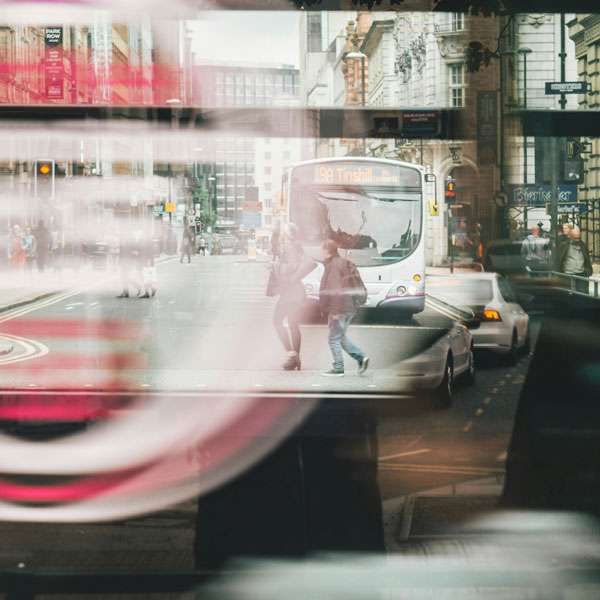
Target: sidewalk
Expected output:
[438,512]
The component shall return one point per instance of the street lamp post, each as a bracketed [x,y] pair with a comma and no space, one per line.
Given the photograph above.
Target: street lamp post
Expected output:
[524,52]
[357,55]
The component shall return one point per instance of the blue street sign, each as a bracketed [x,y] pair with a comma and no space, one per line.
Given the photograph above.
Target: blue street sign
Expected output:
[540,195]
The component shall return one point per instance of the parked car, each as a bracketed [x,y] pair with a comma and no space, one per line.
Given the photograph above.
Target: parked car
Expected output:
[501,324]
[504,256]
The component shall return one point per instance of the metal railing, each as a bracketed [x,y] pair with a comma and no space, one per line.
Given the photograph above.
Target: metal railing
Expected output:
[572,280]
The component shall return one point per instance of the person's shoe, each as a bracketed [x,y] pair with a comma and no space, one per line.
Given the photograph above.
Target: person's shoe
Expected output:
[153,292]
[146,295]
[292,363]
[363,365]
[123,295]
[333,373]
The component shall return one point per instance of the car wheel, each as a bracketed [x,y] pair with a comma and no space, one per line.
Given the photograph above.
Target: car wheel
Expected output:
[442,395]
[470,372]
[513,354]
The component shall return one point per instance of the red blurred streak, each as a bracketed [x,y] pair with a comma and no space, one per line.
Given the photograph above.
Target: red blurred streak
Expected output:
[33,407]
[55,360]
[79,490]
[103,328]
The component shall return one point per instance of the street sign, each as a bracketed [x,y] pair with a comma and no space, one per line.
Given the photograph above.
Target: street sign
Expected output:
[567,87]
[540,195]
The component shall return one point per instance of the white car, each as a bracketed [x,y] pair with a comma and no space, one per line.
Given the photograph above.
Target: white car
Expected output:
[439,357]
[501,324]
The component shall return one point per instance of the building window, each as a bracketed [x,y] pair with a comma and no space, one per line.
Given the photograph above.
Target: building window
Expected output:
[457,22]
[267,202]
[267,170]
[457,85]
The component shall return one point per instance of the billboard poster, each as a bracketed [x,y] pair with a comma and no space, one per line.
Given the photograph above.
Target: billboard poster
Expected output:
[53,62]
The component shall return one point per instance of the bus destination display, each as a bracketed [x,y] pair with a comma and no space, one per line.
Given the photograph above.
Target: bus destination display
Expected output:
[362,174]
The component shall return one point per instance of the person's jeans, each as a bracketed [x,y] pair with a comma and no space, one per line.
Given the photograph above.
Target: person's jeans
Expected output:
[338,340]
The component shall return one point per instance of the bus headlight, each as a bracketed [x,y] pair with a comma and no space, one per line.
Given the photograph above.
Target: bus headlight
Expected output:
[397,291]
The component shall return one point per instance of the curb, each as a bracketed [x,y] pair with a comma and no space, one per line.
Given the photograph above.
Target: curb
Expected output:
[32,300]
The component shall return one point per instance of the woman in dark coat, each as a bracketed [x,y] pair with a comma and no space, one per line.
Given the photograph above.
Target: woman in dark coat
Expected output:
[289,270]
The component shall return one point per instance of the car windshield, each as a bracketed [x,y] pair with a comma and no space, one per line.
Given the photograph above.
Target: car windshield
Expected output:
[461,291]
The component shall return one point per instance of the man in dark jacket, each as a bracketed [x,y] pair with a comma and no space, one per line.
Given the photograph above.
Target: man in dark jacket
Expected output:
[337,302]
[573,258]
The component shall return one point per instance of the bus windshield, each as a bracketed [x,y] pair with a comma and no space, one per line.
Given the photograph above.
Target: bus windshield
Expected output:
[377,220]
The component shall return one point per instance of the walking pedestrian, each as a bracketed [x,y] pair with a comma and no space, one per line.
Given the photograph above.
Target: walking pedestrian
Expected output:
[42,236]
[29,245]
[341,293]
[573,258]
[288,272]
[535,251]
[186,246]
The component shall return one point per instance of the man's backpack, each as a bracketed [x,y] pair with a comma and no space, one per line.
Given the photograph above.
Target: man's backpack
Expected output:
[354,285]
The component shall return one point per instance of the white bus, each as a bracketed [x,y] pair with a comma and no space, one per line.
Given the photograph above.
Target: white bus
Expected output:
[374,209]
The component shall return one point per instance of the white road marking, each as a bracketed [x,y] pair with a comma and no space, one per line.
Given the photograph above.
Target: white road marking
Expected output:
[479,412]
[401,454]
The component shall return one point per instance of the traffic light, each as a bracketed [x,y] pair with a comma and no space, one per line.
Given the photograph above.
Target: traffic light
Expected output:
[44,174]
[450,192]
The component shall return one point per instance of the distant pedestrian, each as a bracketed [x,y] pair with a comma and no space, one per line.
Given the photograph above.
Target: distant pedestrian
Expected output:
[535,251]
[341,293]
[202,245]
[187,246]
[288,272]
[149,268]
[130,265]
[16,253]
[42,236]
[573,258]
[565,233]
[29,245]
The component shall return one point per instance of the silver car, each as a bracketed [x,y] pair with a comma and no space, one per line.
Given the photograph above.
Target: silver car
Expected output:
[501,325]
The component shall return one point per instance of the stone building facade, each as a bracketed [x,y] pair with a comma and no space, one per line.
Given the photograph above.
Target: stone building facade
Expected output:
[417,60]
[584,30]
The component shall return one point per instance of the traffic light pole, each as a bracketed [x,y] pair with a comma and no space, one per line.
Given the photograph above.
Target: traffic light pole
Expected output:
[556,158]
